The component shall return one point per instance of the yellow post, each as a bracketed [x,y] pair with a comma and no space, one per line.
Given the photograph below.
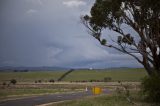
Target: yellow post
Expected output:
[96,90]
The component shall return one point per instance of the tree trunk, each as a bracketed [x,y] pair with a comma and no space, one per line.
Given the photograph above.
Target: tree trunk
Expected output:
[147,66]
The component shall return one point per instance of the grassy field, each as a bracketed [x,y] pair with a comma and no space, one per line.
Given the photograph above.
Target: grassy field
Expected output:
[116,75]
[6,93]
[30,76]
[96,101]
[24,92]
[78,75]
[107,100]
[26,81]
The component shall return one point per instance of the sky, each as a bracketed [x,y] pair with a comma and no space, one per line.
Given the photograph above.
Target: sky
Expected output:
[35,33]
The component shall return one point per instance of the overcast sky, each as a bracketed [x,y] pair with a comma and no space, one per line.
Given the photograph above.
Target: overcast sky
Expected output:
[49,33]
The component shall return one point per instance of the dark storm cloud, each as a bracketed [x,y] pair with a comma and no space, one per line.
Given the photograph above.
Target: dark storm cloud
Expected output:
[49,33]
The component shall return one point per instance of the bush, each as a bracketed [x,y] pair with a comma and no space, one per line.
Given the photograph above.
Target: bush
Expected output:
[107,79]
[92,80]
[39,81]
[4,83]
[150,88]
[13,81]
[51,80]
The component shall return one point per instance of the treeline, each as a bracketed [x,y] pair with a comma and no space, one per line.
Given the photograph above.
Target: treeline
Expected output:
[106,79]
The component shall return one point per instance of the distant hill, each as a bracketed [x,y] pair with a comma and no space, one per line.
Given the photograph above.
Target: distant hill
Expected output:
[9,68]
[45,68]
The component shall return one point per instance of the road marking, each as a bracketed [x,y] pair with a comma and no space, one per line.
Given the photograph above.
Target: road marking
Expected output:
[52,103]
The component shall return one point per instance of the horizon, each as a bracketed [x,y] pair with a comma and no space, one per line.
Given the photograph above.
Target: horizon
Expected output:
[59,68]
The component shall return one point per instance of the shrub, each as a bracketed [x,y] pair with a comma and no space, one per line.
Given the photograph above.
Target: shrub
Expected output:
[92,80]
[13,81]
[4,83]
[150,88]
[39,81]
[107,79]
[123,91]
[51,80]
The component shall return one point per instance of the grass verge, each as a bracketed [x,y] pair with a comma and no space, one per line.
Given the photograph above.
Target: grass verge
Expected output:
[16,93]
[106,100]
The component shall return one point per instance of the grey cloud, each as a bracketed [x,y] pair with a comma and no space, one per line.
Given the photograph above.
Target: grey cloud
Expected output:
[74,3]
[47,33]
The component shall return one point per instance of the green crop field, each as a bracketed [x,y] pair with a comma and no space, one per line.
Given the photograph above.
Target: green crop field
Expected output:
[26,80]
[77,75]
[115,75]
[30,76]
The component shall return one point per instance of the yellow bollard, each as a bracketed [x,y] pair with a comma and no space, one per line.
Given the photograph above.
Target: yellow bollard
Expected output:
[96,90]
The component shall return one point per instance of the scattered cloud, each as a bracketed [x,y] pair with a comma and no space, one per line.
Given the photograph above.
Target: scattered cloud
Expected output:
[35,2]
[74,3]
[40,2]
[31,11]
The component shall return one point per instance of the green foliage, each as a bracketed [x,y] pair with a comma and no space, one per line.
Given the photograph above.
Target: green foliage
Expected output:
[127,39]
[151,88]
[103,42]
[140,17]
[39,81]
[119,40]
[4,83]
[107,79]
[86,17]
[13,81]
[110,13]
[51,80]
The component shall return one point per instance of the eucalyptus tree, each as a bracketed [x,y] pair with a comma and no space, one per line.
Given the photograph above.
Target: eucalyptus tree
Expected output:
[141,16]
